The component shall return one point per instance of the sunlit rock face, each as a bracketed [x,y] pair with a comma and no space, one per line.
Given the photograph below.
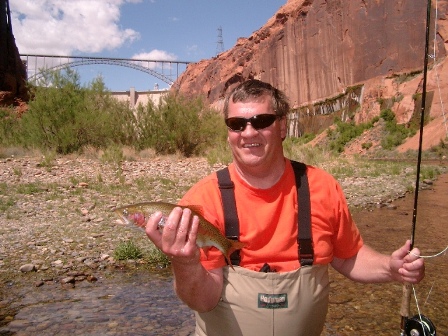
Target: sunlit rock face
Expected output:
[314,50]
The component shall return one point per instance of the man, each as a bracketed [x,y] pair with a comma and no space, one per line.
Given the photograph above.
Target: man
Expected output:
[293,299]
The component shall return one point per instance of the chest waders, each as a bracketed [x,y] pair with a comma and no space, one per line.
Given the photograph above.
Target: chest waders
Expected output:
[266,303]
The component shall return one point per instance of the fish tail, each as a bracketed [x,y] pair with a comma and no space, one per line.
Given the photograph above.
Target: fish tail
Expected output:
[236,245]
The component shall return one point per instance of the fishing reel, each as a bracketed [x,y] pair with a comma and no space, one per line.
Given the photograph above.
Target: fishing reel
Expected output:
[419,325]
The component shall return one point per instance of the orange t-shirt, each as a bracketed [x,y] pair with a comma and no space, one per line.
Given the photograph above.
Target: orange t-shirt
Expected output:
[268,220]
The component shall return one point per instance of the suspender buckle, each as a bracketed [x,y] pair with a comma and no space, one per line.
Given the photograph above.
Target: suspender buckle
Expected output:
[227,185]
[306,252]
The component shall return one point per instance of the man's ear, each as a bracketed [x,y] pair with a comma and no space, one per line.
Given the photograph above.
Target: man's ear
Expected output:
[283,127]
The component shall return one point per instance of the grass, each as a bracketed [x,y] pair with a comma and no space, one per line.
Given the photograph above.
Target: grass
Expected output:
[127,250]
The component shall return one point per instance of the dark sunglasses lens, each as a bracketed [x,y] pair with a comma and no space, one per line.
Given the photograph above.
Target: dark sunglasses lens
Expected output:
[259,121]
[262,121]
[236,124]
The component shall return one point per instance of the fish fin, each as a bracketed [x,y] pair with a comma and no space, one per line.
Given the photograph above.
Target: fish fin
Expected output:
[196,208]
[236,245]
[229,262]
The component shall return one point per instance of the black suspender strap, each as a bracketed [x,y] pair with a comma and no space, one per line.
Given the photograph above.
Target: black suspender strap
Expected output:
[231,221]
[304,239]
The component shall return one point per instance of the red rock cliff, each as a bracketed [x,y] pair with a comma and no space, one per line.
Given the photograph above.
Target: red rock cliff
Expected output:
[314,49]
[12,71]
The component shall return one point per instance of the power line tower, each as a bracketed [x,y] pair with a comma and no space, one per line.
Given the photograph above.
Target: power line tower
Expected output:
[220,43]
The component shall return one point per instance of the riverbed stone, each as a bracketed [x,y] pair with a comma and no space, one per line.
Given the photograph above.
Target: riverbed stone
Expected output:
[27,268]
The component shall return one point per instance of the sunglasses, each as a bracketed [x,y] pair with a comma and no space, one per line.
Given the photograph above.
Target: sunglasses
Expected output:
[259,121]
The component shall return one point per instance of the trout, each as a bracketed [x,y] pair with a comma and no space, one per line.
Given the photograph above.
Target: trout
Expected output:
[208,235]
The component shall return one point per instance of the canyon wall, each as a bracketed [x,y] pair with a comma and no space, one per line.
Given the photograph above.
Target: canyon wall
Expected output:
[13,90]
[318,49]
[314,49]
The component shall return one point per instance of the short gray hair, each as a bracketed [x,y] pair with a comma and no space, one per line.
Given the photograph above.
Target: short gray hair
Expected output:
[254,89]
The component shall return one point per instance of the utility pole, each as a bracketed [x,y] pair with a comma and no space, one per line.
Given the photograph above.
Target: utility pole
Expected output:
[220,43]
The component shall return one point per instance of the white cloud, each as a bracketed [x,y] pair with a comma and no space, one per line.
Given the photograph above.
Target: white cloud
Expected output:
[154,55]
[63,27]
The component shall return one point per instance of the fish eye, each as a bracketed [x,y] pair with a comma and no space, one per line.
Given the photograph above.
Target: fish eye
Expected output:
[125,212]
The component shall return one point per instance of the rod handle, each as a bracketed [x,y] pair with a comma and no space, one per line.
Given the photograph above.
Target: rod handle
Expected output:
[405,304]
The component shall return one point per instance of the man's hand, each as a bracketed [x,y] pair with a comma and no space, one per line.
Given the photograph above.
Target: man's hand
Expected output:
[198,288]
[407,266]
[178,237]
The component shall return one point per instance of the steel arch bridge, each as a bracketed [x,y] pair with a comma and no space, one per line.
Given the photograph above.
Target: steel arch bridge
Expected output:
[166,71]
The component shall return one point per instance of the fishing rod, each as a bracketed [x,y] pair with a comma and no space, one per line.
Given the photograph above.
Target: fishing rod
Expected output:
[418,325]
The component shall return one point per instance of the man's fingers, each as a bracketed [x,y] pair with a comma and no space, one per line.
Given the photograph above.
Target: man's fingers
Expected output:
[152,230]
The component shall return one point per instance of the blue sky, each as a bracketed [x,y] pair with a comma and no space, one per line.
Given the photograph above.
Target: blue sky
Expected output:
[182,30]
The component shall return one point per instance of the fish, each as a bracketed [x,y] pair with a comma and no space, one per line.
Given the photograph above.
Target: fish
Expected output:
[208,235]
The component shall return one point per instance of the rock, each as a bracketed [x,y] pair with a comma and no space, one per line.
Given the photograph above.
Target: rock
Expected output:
[13,86]
[69,279]
[27,268]
[104,257]
[57,263]
[92,278]
[263,53]
[39,283]
[304,37]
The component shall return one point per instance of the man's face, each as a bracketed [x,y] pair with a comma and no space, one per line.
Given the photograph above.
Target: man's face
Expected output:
[253,148]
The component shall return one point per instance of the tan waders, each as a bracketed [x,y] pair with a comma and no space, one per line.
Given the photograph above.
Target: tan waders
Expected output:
[261,304]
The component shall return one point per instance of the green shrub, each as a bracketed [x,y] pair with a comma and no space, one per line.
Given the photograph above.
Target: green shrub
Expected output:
[179,124]
[344,133]
[395,134]
[387,115]
[366,145]
[8,126]
[127,250]
[65,117]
